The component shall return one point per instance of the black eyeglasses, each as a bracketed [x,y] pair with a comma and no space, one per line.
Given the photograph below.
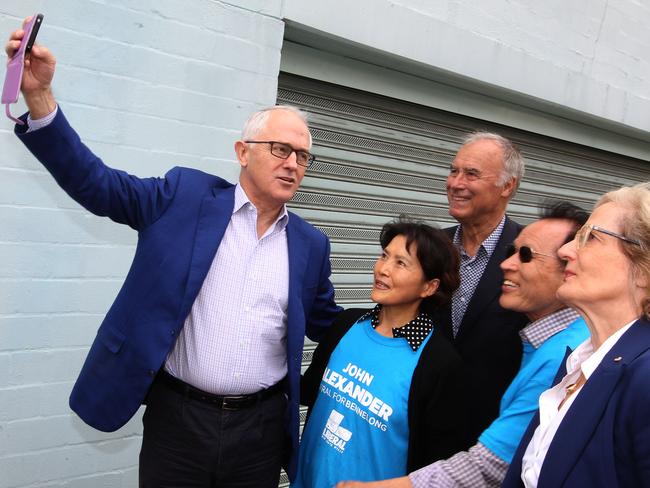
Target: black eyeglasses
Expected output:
[526,253]
[582,236]
[283,151]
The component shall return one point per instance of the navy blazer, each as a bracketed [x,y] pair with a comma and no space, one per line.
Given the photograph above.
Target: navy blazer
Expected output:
[180,220]
[604,439]
[488,338]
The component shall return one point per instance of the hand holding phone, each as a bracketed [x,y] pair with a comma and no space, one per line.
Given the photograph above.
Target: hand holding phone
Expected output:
[15,67]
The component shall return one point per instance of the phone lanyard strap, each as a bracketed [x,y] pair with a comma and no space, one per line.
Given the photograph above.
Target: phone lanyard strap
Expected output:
[8,112]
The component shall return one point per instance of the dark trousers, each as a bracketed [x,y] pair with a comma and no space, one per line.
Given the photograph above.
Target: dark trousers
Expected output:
[189,443]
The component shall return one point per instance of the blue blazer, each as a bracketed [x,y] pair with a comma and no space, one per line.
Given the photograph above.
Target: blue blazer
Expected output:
[604,439]
[180,220]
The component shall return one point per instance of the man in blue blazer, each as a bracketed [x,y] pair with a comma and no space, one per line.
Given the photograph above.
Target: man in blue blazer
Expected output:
[209,324]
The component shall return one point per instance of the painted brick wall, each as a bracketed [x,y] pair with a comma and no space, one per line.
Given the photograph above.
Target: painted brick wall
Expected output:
[148,84]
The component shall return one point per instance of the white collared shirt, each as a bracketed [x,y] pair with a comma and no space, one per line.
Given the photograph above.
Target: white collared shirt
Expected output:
[35,124]
[234,339]
[584,359]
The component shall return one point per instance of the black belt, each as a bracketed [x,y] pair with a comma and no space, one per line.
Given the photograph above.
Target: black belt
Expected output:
[227,402]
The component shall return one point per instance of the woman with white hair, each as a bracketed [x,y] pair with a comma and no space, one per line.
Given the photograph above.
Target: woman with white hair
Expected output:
[593,427]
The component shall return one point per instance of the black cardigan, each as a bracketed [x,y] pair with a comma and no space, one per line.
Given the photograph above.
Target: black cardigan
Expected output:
[436,404]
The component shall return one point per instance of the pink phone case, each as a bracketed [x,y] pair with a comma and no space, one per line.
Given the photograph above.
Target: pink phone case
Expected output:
[14,76]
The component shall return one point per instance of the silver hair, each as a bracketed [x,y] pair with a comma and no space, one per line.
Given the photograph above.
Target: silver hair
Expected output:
[513,161]
[634,203]
[257,121]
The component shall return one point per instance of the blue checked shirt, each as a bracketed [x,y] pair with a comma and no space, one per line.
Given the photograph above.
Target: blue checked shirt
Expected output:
[471,270]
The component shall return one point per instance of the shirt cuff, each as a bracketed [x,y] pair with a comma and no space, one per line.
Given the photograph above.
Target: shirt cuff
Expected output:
[42,122]
[430,476]
[477,468]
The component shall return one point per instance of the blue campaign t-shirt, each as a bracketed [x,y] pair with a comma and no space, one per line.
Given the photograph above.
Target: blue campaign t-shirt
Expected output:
[358,427]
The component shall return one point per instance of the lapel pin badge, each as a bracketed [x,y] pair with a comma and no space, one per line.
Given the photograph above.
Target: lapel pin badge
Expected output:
[617,359]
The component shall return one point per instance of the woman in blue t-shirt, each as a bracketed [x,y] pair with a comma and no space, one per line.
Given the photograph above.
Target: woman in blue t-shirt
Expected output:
[385,388]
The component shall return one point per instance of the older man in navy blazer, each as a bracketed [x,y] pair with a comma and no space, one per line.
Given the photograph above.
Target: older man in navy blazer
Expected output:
[483,177]
[208,327]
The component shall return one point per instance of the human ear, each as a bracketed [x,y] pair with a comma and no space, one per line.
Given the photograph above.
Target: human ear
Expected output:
[430,288]
[640,280]
[241,150]
[509,187]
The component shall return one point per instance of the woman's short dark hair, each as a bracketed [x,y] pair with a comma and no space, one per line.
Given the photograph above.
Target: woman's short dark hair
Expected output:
[436,253]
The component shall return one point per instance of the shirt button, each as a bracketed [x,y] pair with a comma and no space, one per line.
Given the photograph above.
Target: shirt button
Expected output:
[462,299]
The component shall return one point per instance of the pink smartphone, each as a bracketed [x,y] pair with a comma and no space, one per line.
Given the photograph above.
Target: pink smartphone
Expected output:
[14,76]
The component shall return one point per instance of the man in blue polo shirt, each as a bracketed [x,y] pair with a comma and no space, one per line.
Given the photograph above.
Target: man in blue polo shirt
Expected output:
[532,273]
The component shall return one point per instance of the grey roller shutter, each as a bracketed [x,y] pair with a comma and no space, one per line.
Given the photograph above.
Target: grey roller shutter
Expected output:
[378,157]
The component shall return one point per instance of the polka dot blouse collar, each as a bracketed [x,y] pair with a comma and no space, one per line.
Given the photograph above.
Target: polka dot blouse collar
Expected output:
[415,332]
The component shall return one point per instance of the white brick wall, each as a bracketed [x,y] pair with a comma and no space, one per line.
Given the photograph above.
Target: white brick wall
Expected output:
[148,84]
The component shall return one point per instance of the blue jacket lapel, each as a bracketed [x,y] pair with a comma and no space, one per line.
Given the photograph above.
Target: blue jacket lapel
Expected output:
[298,245]
[298,253]
[212,222]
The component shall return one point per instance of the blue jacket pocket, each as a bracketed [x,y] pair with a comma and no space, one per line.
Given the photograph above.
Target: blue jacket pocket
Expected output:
[111,338]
